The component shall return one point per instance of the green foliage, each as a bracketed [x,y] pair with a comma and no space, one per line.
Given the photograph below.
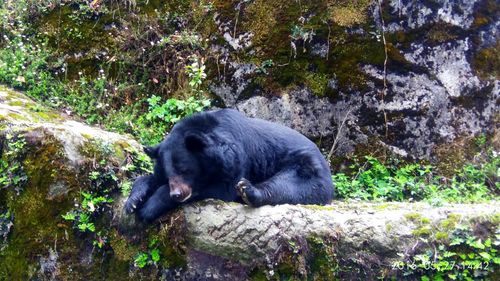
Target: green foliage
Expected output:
[103,182]
[125,188]
[162,116]
[83,216]
[152,256]
[95,201]
[141,260]
[29,63]
[91,203]
[173,109]
[466,257]
[12,174]
[196,74]
[480,140]
[23,64]
[372,180]
[139,162]
[264,66]
[301,33]
[87,98]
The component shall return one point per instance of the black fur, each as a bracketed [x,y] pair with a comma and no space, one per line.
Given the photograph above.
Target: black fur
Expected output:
[224,155]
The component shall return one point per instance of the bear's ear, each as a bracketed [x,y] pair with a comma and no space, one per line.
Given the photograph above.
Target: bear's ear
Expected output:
[194,142]
[152,151]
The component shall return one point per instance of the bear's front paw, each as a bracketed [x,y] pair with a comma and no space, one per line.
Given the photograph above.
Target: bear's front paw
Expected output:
[142,188]
[132,203]
[248,192]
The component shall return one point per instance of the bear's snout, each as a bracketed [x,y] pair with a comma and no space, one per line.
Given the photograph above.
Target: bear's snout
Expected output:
[180,191]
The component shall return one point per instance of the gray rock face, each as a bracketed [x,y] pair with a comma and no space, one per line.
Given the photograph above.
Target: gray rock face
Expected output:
[437,97]
[415,14]
[448,62]
[300,110]
[422,101]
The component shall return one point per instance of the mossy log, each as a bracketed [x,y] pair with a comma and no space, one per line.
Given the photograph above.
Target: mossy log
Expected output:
[53,163]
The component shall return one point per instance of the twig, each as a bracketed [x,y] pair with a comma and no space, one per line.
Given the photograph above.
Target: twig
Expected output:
[328,41]
[236,20]
[339,134]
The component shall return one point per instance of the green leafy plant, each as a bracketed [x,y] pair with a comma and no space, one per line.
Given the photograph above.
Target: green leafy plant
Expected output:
[125,188]
[12,172]
[264,66]
[163,115]
[32,64]
[141,260]
[196,74]
[373,180]
[152,256]
[465,257]
[94,202]
[83,216]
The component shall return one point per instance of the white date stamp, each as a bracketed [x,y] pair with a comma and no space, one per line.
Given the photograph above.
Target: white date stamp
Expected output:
[440,265]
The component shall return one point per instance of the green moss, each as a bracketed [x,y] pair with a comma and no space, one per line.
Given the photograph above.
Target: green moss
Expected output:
[450,222]
[97,149]
[413,217]
[48,116]
[87,136]
[320,207]
[422,231]
[348,13]
[39,227]
[425,221]
[16,116]
[388,227]
[440,235]
[317,82]
[272,23]
[495,219]
[16,103]
[323,261]
[486,62]
[120,149]
[311,259]
[75,29]
[485,12]
[122,249]
[452,156]
[257,274]
[440,33]
[35,227]
[386,206]
[172,243]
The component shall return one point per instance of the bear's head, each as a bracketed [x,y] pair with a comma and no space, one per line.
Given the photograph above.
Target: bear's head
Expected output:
[186,161]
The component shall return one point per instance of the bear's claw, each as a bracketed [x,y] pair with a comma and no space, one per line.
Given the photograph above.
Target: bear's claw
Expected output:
[130,208]
[242,187]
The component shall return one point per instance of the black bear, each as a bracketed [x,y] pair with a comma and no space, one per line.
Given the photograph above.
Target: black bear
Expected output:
[224,155]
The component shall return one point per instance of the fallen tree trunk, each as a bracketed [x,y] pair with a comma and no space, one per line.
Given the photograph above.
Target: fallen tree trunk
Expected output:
[354,240]
[61,218]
